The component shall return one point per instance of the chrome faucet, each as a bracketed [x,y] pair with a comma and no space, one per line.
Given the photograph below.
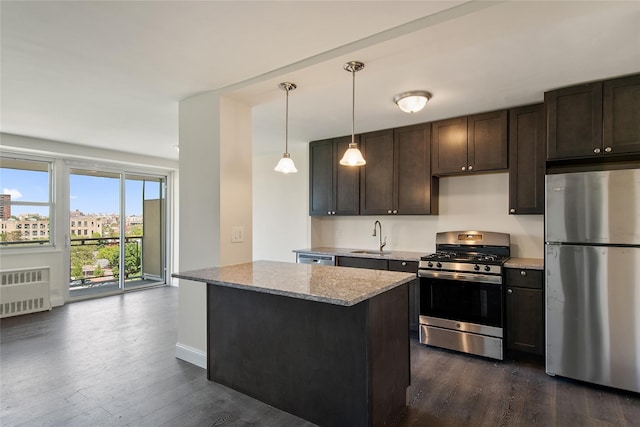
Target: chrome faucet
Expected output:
[382,245]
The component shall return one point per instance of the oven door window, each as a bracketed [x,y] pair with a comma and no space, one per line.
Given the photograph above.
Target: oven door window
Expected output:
[472,302]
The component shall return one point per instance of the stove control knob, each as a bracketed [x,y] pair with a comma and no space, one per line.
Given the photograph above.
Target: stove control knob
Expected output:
[430,264]
[439,265]
[487,268]
[476,267]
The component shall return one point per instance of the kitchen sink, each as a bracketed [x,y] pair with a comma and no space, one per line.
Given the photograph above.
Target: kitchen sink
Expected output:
[371,252]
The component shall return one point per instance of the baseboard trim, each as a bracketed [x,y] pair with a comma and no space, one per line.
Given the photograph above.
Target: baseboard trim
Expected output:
[191,355]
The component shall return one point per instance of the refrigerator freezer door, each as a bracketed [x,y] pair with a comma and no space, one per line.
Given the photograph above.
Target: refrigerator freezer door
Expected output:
[601,207]
[593,314]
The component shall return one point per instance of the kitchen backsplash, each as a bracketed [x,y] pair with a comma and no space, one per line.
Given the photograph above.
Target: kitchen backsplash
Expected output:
[476,202]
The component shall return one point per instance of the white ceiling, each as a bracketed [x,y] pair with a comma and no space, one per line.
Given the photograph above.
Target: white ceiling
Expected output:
[110,74]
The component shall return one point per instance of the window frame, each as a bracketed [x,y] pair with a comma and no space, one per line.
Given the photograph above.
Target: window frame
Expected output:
[7,157]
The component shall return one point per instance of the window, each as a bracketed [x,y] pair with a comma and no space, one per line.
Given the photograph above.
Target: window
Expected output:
[25,198]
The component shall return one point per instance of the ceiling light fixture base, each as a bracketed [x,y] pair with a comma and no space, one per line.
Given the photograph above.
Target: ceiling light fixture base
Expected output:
[353,66]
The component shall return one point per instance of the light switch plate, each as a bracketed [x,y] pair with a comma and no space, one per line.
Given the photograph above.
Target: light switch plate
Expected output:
[237,234]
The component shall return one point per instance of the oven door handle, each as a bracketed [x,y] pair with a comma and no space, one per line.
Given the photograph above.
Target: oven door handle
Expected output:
[450,275]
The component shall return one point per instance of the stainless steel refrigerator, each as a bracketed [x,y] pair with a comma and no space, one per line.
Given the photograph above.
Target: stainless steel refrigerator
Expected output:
[592,277]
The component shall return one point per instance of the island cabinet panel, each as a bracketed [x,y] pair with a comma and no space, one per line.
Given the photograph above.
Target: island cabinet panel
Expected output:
[449,146]
[333,189]
[414,290]
[487,141]
[574,121]
[329,364]
[621,113]
[526,159]
[376,177]
[476,143]
[525,311]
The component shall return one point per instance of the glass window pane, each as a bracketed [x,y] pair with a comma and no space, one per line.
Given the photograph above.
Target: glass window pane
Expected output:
[25,203]
[28,184]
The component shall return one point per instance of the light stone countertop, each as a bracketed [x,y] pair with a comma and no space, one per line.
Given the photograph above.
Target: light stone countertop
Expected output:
[527,263]
[334,285]
[394,255]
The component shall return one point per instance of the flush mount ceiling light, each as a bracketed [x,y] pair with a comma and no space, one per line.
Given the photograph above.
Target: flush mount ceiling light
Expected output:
[412,101]
[353,156]
[285,165]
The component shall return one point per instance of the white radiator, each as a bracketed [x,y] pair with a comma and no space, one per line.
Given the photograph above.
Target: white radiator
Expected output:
[24,290]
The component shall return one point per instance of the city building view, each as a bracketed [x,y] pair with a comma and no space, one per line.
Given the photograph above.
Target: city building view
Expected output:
[94,241]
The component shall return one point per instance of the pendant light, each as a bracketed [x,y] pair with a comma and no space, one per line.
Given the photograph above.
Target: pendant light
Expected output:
[285,165]
[353,156]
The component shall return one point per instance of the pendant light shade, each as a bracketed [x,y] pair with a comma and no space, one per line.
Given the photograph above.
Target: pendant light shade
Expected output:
[285,165]
[412,101]
[353,156]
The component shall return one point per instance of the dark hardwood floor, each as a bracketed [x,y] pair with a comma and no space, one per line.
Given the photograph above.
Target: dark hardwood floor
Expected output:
[110,362]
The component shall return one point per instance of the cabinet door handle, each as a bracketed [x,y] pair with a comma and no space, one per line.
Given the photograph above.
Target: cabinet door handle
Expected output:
[596,150]
[470,167]
[512,210]
[395,211]
[523,273]
[389,211]
[608,149]
[329,213]
[404,263]
[464,168]
[509,291]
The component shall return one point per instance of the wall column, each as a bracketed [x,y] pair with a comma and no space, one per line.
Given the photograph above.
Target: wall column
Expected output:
[215,198]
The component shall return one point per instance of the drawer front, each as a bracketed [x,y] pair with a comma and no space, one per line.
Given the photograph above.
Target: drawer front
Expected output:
[357,262]
[405,266]
[525,278]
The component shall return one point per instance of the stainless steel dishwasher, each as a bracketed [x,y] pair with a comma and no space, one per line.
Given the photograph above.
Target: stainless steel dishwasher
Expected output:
[307,258]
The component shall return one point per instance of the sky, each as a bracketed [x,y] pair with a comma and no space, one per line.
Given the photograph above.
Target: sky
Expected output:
[88,194]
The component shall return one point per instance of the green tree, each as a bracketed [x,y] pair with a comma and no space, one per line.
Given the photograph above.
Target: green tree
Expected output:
[80,256]
[110,253]
[98,271]
[131,259]
[135,230]
[76,272]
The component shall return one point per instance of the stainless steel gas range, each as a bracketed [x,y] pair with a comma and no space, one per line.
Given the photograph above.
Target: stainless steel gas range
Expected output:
[461,292]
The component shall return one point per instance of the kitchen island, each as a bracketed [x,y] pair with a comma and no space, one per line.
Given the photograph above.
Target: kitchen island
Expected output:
[328,344]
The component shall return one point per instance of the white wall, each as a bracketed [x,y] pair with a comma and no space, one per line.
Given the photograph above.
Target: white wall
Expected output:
[215,195]
[475,202]
[281,219]
[56,257]
[282,222]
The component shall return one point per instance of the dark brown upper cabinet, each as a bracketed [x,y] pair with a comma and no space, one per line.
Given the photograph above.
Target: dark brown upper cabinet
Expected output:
[621,114]
[476,143]
[397,177]
[333,189]
[594,120]
[574,121]
[526,159]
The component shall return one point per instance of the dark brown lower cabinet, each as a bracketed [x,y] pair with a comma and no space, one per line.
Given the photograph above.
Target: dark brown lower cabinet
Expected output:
[525,311]
[391,265]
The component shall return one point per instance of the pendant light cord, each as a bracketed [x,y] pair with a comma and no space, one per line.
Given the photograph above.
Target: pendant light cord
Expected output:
[353,106]
[286,124]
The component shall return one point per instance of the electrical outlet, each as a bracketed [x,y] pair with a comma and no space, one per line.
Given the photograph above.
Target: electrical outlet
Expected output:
[237,234]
